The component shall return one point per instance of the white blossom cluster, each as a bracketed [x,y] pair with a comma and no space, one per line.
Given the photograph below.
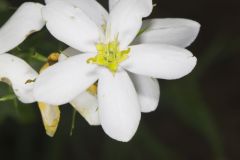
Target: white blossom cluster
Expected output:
[109,72]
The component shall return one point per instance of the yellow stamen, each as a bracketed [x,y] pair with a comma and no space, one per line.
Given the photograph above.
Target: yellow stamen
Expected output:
[109,55]
[53,58]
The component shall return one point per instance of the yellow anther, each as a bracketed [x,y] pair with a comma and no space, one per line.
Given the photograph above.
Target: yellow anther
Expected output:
[53,57]
[109,55]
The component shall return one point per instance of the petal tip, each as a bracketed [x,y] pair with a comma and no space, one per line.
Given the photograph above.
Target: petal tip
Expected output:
[125,134]
[120,138]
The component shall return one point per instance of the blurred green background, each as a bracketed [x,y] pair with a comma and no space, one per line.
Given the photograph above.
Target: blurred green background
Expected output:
[198,117]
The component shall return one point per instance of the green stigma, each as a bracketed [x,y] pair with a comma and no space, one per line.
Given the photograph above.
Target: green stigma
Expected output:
[109,55]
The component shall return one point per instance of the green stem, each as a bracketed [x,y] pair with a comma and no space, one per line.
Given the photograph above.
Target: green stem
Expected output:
[39,57]
[8,98]
[73,122]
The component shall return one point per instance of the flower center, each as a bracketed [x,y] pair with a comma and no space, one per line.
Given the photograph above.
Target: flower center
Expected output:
[109,55]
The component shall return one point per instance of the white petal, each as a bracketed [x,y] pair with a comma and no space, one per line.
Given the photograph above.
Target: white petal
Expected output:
[174,31]
[62,82]
[69,52]
[62,57]
[119,109]
[148,91]
[91,8]
[71,25]
[125,20]
[112,4]
[18,73]
[25,21]
[48,1]
[50,116]
[160,61]
[87,105]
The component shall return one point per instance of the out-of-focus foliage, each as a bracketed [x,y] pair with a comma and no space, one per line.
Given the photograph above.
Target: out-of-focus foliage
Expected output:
[3,5]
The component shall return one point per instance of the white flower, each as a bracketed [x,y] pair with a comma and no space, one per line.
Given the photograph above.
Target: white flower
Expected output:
[26,20]
[16,72]
[109,58]
[20,76]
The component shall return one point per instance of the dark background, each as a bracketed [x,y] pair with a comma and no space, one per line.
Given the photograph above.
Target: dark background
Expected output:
[198,116]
